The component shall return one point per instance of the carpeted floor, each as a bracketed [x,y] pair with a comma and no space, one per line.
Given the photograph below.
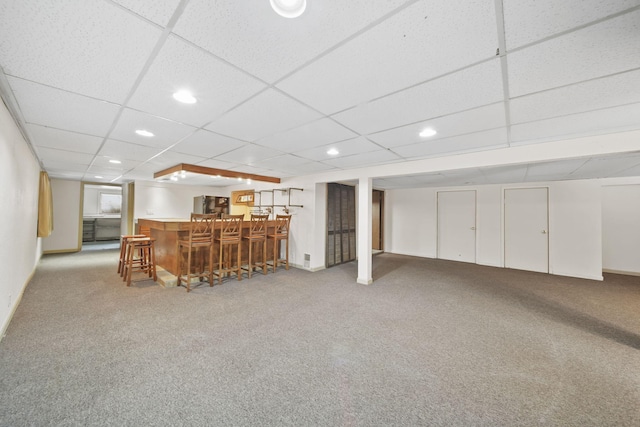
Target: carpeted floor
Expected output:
[431,342]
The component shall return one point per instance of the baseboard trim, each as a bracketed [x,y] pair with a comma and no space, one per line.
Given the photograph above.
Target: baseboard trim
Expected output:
[301,267]
[626,273]
[60,251]
[15,305]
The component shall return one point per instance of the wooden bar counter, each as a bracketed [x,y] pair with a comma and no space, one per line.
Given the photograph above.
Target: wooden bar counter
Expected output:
[167,232]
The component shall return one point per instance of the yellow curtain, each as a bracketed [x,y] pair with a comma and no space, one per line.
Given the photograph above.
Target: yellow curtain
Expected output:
[45,206]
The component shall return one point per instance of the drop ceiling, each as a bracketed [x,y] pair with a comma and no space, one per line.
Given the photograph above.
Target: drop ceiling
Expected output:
[274,94]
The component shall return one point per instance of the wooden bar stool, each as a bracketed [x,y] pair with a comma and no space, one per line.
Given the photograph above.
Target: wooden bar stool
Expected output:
[257,235]
[123,250]
[281,232]
[198,246]
[145,261]
[230,236]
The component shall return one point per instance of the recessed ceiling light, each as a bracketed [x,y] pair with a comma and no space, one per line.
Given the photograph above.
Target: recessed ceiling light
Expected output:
[174,178]
[117,162]
[248,181]
[143,132]
[428,132]
[289,8]
[333,152]
[99,177]
[185,97]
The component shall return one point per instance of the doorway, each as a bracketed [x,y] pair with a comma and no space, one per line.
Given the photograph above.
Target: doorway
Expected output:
[101,216]
[377,221]
[457,225]
[341,224]
[526,226]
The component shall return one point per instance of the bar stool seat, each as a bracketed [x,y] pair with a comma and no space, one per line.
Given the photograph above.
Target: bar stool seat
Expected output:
[145,261]
[198,246]
[123,250]
[257,236]
[230,235]
[280,233]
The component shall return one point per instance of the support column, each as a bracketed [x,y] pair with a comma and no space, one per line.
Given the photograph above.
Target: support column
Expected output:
[365,189]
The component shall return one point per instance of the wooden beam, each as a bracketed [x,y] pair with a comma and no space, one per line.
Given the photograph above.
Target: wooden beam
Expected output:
[214,172]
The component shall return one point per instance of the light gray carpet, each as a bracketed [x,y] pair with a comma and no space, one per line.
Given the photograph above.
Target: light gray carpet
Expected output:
[429,343]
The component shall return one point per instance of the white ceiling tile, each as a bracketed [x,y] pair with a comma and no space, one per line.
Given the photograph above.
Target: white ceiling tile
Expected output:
[60,165]
[170,158]
[606,48]
[71,157]
[255,170]
[478,119]
[608,120]
[207,144]
[252,36]
[266,114]
[385,59]
[592,95]
[309,168]
[462,143]
[515,173]
[179,66]
[527,21]
[91,47]
[605,166]
[364,159]
[319,132]
[166,132]
[127,151]
[548,171]
[103,165]
[47,106]
[470,88]
[54,138]
[249,154]
[64,173]
[217,164]
[156,11]
[346,148]
[280,163]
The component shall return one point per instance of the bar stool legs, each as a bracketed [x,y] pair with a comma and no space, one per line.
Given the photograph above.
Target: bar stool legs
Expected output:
[124,245]
[145,261]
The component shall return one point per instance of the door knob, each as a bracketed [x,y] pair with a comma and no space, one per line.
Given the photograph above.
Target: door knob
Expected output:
[544,231]
[473,228]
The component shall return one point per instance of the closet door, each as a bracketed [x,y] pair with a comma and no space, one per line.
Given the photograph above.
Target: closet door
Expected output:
[526,229]
[341,224]
[457,225]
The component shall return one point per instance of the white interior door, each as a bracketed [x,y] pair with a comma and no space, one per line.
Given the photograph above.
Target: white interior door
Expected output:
[526,229]
[457,225]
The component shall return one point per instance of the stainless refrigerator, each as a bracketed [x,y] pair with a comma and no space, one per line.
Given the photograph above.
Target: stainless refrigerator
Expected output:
[211,205]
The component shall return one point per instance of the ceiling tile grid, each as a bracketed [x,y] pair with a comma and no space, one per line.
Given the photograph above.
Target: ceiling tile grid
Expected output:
[309,135]
[470,88]
[207,144]
[420,39]
[47,106]
[98,40]
[457,144]
[159,12]
[612,91]
[610,120]
[166,132]
[250,35]
[527,21]
[264,115]
[217,86]
[608,47]
[474,120]
[64,140]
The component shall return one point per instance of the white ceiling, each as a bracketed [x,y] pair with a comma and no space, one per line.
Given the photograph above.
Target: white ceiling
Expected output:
[274,94]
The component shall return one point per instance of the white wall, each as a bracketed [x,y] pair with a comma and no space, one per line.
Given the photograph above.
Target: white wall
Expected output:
[66,217]
[621,228]
[20,250]
[575,247]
